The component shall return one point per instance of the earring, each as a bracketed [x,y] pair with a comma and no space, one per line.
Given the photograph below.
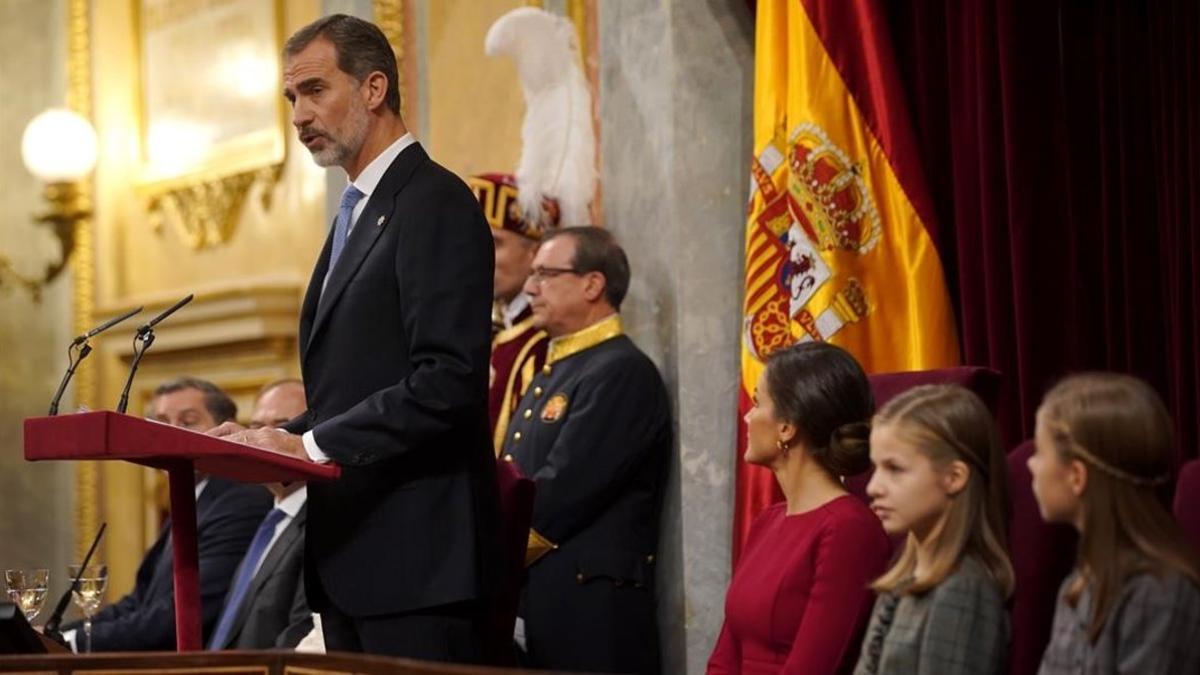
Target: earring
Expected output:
[783,446]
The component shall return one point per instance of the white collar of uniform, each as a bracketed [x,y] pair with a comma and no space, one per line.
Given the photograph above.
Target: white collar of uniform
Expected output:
[513,309]
[370,176]
[292,503]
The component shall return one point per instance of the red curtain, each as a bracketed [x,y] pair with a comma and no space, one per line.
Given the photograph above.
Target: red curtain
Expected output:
[1061,141]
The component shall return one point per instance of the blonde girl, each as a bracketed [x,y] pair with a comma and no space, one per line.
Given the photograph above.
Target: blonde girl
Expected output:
[940,483]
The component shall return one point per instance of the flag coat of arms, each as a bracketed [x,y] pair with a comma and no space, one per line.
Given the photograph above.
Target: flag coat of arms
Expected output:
[838,228]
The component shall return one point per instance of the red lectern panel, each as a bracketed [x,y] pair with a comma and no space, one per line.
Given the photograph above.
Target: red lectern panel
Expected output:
[105,435]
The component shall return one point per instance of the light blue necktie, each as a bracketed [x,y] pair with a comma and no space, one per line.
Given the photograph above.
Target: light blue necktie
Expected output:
[341,228]
[245,575]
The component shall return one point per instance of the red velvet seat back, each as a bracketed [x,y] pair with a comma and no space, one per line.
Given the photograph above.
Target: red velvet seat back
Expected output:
[1042,556]
[1187,500]
[516,511]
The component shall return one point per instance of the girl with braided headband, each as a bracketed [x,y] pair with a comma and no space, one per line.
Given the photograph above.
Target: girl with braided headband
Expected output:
[1103,464]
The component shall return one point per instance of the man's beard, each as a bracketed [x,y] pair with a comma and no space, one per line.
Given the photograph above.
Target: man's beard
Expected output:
[339,150]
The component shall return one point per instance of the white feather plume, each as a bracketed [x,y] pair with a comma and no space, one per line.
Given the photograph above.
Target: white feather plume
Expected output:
[558,156]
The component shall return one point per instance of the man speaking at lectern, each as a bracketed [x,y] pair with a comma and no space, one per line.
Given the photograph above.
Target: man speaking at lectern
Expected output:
[394,337]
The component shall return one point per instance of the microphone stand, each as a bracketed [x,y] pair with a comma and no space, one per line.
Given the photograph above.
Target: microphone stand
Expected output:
[145,336]
[72,363]
[50,630]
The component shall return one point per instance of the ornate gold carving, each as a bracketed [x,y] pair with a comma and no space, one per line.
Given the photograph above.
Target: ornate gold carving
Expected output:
[206,213]
[203,198]
[79,99]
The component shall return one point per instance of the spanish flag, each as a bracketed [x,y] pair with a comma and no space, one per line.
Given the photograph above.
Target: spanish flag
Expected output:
[838,232]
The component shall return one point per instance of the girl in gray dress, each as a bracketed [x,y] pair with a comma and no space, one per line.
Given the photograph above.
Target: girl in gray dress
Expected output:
[940,482]
[1103,464]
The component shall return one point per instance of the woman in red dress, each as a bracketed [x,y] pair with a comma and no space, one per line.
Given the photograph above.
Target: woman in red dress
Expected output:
[799,598]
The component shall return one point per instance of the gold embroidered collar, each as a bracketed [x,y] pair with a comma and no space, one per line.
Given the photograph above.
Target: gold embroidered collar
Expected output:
[569,345]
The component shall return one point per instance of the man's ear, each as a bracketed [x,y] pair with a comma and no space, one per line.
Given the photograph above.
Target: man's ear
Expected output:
[596,284]
[374,90]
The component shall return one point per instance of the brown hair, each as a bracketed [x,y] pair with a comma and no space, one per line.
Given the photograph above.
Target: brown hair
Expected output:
[596,250]
[823,391]
[216,401]
[1119,428]
[361,50]
[948,423]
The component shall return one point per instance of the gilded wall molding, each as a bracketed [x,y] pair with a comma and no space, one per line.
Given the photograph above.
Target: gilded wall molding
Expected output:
[203,202]
[79,99]
[206,212]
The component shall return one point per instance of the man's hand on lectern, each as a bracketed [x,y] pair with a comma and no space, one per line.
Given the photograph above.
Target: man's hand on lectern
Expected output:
[225,429]
[270,438]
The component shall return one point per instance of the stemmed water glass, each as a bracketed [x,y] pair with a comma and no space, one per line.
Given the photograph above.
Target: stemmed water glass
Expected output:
[88,595]
[27,589]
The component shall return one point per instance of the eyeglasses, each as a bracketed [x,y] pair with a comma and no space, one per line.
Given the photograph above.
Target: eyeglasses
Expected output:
[540,274]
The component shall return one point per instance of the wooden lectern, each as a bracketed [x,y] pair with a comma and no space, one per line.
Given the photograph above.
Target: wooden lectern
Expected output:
[109,435]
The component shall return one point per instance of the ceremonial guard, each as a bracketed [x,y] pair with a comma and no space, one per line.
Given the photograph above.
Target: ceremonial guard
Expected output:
[594,433]
[518,348]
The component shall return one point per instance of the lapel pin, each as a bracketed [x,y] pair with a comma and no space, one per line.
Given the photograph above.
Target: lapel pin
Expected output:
[379,223]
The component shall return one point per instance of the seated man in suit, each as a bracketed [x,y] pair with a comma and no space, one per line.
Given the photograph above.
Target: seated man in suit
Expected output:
[266,606]
[226,516]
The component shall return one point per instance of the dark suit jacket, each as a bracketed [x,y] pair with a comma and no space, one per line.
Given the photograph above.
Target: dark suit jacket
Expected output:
[274,612]
[596,443]
[394,357]
[227,515]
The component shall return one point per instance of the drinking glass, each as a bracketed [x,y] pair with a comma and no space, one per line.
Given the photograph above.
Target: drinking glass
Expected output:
[27,589]
[88,595]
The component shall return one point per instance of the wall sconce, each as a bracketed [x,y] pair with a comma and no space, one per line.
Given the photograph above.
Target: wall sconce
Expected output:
[59,148]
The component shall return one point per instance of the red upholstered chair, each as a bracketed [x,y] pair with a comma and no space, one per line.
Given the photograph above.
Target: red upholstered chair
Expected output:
[1187,500]
[1042,556]
[985,382]
[516,511]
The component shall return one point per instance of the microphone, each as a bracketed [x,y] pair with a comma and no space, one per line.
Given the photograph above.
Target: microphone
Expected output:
[103,327]
[84,350]
[146,327]
[51,627]
[145,335]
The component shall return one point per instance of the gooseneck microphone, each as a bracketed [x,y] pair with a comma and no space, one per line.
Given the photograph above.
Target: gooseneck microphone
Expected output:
[74,358]
[105,326]
[141,342]
[146,327]
[51,627]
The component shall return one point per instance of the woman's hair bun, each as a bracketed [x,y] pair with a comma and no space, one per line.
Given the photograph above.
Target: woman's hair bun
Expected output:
[849,452]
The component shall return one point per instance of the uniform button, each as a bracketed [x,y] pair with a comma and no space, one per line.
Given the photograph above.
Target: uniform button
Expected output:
[649,558]
[517,437]
[579,577]
[508,458]
[537,391]
[546,369]
[528,414]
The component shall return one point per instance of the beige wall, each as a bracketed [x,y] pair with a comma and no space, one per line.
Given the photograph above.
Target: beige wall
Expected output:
[36,500]
[473,101]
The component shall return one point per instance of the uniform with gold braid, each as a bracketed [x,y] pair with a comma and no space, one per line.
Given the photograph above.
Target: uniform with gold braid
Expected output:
[594,433]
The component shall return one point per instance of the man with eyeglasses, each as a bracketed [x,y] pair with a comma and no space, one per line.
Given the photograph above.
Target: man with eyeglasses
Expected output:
[594,433]
[518,347]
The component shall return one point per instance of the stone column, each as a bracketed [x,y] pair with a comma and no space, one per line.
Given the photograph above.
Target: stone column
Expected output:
[676,81]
